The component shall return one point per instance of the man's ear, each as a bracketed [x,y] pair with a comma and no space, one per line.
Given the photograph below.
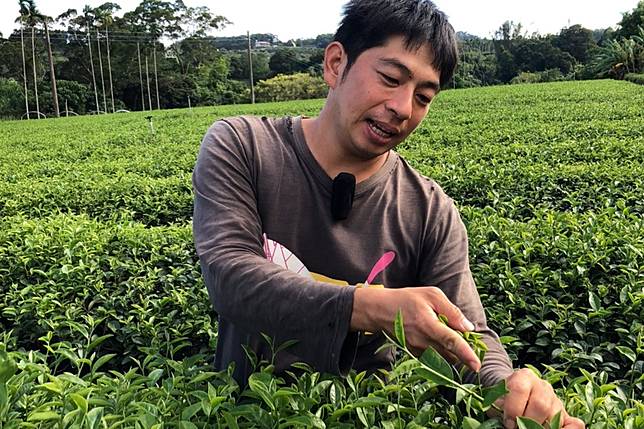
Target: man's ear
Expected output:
[335,61]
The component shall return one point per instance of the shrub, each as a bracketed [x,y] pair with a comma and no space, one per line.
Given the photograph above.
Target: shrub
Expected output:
[11,101]
[526,77]
[297,86]
[635,78]
[550,75]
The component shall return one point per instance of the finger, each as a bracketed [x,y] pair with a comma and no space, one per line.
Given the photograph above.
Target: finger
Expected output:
[453,343]
[455,317]
[542,403]
[571,422]
[516,401]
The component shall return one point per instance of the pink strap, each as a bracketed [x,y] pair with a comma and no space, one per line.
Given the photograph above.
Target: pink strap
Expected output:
[382,263]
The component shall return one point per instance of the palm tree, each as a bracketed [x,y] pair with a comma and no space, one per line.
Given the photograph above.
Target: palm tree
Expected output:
[24,65]
[105,15]
[52,72]
[87,20]
[30,13]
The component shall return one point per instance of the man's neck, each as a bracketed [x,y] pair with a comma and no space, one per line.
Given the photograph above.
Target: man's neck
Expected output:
[331,155]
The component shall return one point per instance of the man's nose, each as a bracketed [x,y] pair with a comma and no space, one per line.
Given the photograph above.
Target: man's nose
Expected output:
[401,103]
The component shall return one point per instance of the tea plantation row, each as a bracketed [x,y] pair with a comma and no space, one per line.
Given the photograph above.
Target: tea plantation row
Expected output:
[571,146]
[105,320]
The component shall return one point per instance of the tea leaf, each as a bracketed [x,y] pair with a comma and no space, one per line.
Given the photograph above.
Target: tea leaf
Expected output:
[491,394]
[441,372]
[527,423]
[399,329]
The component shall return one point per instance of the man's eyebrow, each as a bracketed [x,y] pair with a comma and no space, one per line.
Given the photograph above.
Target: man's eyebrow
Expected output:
[404,69]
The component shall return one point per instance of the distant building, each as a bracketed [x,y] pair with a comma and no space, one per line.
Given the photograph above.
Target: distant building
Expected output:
[262,44]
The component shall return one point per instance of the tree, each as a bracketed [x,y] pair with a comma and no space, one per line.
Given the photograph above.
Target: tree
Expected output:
[239,67]
[33,17]
[287,61]
[577,41]
[10,98]
[52,72]
[475,68]
[199,21]
[105,16]
[621,56]
[631,22]
[538,54]
[507,67]
[322,40]
[29,15]
[504,38]
[507,32]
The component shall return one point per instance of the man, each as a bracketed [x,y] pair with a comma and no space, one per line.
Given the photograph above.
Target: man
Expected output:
[273,252]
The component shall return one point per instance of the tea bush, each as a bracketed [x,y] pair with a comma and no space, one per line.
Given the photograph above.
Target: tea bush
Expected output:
[106,322]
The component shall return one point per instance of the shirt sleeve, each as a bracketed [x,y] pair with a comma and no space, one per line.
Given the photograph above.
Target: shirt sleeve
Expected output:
[244,287]
[445,264]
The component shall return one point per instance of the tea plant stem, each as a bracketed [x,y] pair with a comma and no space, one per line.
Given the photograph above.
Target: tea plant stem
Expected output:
[447,380]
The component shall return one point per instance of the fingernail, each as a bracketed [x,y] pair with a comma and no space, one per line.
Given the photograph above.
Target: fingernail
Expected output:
[469,326]
[509,424]
[475,365]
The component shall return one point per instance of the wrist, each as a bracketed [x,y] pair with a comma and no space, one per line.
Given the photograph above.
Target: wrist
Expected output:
[367,309]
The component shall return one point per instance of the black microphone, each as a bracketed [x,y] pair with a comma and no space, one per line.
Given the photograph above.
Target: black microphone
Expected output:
[344,186]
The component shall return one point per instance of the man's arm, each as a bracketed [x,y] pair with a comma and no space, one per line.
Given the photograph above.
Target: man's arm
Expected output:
[245,288]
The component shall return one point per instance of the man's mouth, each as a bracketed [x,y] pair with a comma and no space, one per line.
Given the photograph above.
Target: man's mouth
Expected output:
[380,129]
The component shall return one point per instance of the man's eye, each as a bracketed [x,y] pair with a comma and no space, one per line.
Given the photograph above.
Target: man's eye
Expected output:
[424,100]
[389,80]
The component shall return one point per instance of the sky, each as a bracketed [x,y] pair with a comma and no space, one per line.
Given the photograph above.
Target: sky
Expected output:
[292,19]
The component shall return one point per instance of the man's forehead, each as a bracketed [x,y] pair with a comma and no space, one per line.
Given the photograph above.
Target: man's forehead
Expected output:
[401,46]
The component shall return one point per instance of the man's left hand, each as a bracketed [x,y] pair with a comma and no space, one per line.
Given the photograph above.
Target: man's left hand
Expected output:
[530,396]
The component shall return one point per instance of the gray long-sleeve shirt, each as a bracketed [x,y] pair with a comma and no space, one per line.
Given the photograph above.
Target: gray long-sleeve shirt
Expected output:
[256,179]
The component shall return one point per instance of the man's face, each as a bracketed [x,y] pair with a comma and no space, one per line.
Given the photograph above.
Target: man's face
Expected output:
[382,98]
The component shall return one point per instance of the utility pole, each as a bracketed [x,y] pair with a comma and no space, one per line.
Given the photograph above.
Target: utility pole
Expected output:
[100,65]
[54,90]
[24,69]
[33,59]
[138,53]
[147,77]
[91,62]
[156,77]
[250,66]
[109,65]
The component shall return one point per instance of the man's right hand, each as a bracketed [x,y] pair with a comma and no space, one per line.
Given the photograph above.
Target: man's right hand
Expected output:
[376,309]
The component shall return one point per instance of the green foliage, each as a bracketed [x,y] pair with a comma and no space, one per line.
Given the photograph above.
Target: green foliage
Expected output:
[577,41]
[299,86]
[526,77]
[74,94]
[551,75]
[240,69]
[539,53]
[631,22]
[287,61]
[12,101]
[637,78]
[475,68]
[620,56]
[105,321]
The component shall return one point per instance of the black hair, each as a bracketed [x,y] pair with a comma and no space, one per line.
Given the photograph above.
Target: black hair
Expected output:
[367,24]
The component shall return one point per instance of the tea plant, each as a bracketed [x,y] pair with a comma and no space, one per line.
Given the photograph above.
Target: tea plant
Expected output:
[105,321]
